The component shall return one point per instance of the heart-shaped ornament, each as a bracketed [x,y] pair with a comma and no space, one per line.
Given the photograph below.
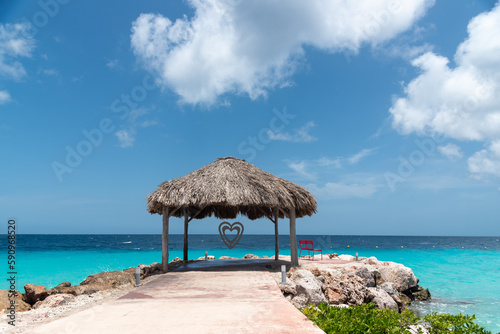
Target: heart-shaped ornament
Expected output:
[232,239]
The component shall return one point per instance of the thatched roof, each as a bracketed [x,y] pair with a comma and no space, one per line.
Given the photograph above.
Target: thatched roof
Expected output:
[228,187]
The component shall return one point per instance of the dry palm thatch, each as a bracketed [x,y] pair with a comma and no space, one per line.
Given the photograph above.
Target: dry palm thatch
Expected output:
[230,186]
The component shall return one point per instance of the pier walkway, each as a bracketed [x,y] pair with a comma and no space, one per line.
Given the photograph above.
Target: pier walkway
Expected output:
[218,296]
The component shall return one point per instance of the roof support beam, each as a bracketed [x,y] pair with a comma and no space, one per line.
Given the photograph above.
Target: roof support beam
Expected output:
[276,236]
[186,222]
[197,213]
[293,239]
[164,240]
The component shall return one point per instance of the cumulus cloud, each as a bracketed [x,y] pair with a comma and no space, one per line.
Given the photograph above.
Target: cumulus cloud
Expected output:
[15,41]
[486,162]
[125,137]
[300,135]
[4,96]
[461,101]
[451,151]
[252,46]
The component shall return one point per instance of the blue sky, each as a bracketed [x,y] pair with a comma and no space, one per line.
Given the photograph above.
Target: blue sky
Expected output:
[388,112]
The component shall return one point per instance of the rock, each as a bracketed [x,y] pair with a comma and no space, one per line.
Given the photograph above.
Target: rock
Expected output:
[405,300]
[308,289]
[299,301]
[288,288]
[347,257]
[110,280]
[76,290]
[382,299]
[331,256]
[20,304]
[348,289]
[372,260]
[55,301]
[418,293]
[366,275]
[34,293]
[402,277]
[177,260]
[63,285]
[228,258]
[389,288]
[378,278]
[251,256]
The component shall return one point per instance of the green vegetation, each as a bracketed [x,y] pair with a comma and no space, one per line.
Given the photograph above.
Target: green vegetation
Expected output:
[370,319]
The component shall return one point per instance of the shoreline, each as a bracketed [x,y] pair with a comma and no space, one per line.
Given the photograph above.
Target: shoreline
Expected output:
[89,293]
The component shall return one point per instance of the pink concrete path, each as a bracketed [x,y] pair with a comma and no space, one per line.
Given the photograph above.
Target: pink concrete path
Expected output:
[221,296]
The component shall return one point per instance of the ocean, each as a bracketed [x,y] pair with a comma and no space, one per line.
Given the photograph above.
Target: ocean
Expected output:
[462,273]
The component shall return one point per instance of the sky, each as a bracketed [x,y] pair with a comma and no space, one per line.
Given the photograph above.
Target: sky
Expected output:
[388,112]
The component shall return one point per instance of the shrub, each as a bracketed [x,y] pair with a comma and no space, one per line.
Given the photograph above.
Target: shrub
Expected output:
[370,319]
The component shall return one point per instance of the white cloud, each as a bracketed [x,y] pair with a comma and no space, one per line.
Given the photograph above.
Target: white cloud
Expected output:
[48,71]
[301,169]
[114,63]
[332,190]
[354,159]
[15,41]
[300,135]
[486,162]
[336,163]
[451,151]
[125,137]
[461,102]
[4,96]
[135,120]
[339,162]
[252,46]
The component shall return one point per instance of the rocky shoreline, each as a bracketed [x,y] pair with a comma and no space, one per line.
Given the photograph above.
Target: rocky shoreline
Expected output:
[345,282]
[388,285]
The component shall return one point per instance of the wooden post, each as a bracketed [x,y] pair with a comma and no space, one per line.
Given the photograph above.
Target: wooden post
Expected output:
[164,241]
[276,236]
[293,239]
[186,222]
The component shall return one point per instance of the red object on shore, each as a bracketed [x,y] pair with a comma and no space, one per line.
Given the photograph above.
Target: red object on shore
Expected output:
[308,246]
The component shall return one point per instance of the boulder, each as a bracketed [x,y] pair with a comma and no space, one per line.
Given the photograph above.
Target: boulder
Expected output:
[63,285]
[382,299]
[177,260]
[405,300]
[76,290]
[55,301]
[389,288]
[366,275]
[288,288]
[348,289]
[251,256]
[308,289]
[5,300]
[372,260]
[34,293]
[110,280]
[228,258]
[347,257]
[402,277]
[418,293]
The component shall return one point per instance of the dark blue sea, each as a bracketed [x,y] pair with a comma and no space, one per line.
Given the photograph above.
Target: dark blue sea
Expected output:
[462,273]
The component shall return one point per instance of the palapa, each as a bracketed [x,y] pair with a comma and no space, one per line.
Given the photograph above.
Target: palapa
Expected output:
[226,188]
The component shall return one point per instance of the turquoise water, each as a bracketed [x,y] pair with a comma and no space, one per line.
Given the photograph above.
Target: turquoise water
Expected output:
[460,280]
